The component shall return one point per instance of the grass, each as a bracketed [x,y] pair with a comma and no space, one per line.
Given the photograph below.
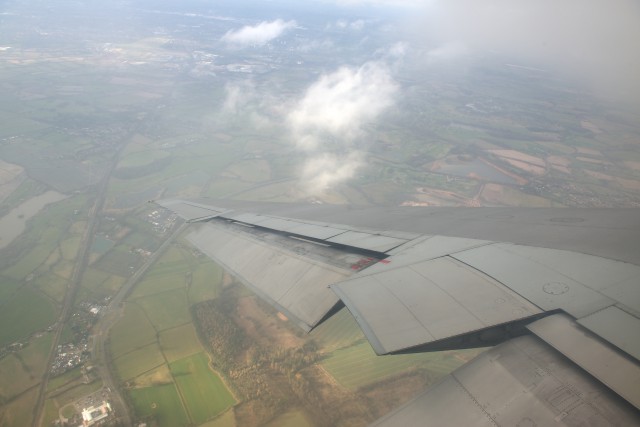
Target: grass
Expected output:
[119,261]
[290,419]
[53,286]
[19,413]
[132,331]
[203,392]
[69,247]
[50,412]
[340,330]
[142,158]
[155,377]
[14,378]
[27,312]
[161,403]
[21,370]
[75,393]
[157,283]
[228,419]
[63,268]
[166,310]
[7,287]
[206,282]
[358,366]
[138,361]
[36,256]
[63,379]
[179,342]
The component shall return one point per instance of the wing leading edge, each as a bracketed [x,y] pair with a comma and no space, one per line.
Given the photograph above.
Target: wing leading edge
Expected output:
[411,291]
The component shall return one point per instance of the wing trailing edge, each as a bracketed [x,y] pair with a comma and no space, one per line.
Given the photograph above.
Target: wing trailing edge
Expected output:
[413,291]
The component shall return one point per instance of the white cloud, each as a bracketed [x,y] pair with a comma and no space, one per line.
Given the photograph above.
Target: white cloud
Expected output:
[328,120]
[337,104]
[324,170]
[448,51]
[398,50]
[237,96]
[259,34]
[243,100]
[342,24]
[357,25]
[591,41]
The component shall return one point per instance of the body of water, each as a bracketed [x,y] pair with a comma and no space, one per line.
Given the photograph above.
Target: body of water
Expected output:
[14,223]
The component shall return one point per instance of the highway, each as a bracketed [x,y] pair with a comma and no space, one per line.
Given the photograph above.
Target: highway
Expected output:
[75,281]
[110,316]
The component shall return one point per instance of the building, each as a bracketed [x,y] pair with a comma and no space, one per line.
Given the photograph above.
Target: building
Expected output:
[93,414]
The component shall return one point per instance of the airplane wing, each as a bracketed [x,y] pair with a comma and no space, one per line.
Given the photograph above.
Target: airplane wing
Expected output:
[557,291]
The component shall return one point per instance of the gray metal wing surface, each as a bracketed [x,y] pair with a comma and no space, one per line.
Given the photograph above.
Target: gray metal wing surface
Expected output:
[527,280]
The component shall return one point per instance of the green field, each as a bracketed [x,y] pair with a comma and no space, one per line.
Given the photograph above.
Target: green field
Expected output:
[340,330]
[291,419]
[53,286]
[134,363]
[162,277]
[63,379]
[21,370]
[155,377]
[27,312]
[19,413]
[203,392]
[132,331]
[357,366]
[179,342]
[141,158]
[50,412]
[69,247]
[167,309]
[206,282]
[228,419]
[7,287]
[161,403]
[119,261]
[78,391]
[96,290]
[36,255]
[157,314]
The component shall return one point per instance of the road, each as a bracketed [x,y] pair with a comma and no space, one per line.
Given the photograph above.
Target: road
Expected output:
[110,316]
[72,289]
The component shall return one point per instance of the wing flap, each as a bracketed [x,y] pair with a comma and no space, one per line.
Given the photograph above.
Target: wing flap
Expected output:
[616,326]
[427,302]
[605,363]
[294,284]
[545,287]
[522,382]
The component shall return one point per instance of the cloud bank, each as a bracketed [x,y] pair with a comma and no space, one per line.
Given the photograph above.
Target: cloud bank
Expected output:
[259,34]
[326,123]
[595,42]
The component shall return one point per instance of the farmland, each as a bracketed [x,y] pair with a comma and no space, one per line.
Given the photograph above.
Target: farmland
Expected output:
[204,393]
[161,403]
[156,350]
[100,116]
[358,366]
